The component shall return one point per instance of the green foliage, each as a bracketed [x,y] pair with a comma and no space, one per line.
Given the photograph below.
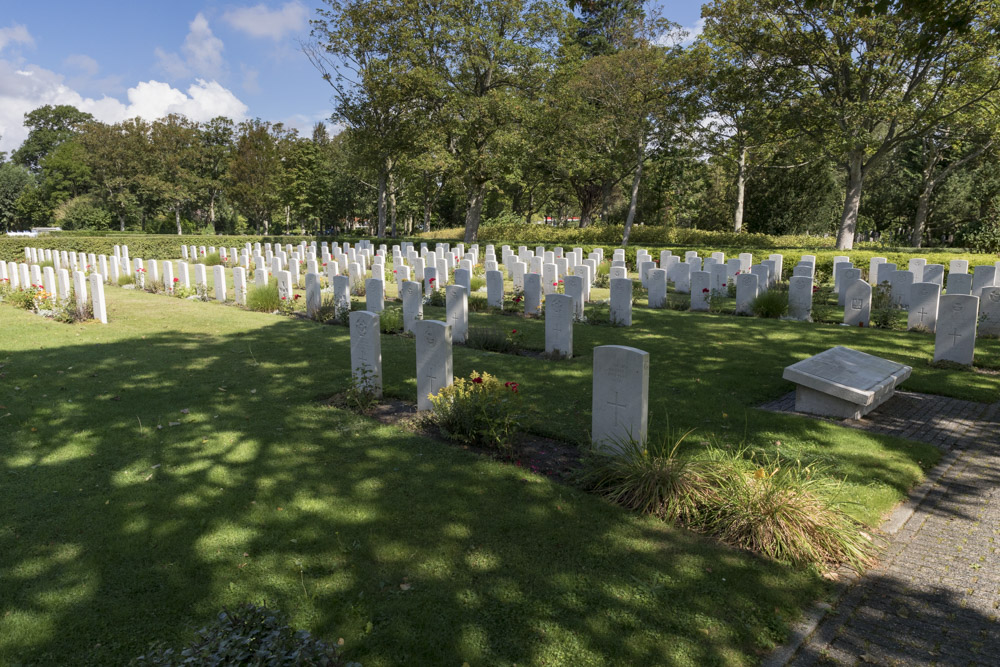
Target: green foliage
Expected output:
[68,312]
[478,303]
[212,259]
[493,339]
[125,278]
[476,283]
[773,303]
[480,411]
[247,635]
[264,299]
[361,395]
[23,298]
[13,181]
[884,312]
[391,320]
[983,235]
[437,298]
[330,311]
[82,212]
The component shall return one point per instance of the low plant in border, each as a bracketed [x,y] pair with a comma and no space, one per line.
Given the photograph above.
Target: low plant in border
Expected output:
[493,339]
[773,304]
[479,410]
[264,298]
[248,635]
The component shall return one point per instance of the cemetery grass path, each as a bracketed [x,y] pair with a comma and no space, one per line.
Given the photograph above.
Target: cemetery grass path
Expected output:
[117,532]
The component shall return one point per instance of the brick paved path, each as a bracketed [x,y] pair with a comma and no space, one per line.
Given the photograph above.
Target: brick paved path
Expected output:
[935,598]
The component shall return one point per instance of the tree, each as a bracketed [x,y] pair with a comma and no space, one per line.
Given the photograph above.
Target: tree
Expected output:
[177,147]
[866,76]
[215,139]
[255,172]
[115,156]
[49,126]
[14,179]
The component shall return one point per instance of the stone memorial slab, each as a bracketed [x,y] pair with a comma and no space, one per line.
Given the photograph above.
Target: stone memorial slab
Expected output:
[843,382]
[901,282]
[916,267]
[884,271]
[955,338]
[434,361]
[680,275]
[341,295]
[573,286]
[934,273]
[983,276]
[958,266]
[620,399]
[314,294]
[847,276]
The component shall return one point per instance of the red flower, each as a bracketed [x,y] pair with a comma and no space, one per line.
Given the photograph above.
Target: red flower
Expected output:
[296,296]
[704,290]
[723,284]
[513,331]
[283,298]
[555,284]
[177,280]
[431,280]
[477,380]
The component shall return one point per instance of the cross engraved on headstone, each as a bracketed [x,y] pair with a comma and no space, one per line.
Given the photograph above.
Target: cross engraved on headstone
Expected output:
[955,336]
[617,405]
[923,311]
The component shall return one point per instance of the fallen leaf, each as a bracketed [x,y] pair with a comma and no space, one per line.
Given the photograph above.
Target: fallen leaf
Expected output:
[404,587]
[185,411]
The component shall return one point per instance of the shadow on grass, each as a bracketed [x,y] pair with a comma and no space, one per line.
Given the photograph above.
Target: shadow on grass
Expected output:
[128,520]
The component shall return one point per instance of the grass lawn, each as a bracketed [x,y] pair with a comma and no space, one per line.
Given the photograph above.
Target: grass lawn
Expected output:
[181,459]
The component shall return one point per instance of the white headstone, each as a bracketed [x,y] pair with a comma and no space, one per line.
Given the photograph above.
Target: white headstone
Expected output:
[457,311]
[620,396]
[413,304]
[97,299]
[532,294]
[800,294]
[746,292]
[621,302]
[240,285]
[494,289]
[955,338]
[959,283]
[314,296]
[701,290]
[220,282]
[434,362]
[924,306]
[858,304]
[989,311]
[657,288]
[366,349]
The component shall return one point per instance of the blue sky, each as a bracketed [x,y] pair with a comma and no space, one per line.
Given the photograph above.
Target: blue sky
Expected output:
[119,59]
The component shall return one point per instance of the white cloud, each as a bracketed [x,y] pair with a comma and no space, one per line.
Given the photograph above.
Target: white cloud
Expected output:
[201,53]
[250,79]
[82,63]
[15,34]
[260,21]
[24,88]
[686,36]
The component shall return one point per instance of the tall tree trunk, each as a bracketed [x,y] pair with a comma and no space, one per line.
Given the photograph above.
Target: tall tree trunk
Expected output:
[383,178]
[288,218]
[607,188]
[634,201]
[121,222]
[852,200]
[920,216]
[211,212]
[177,219]
[531,208]
[741,189]
[392,211]
[427,214]
[477,196]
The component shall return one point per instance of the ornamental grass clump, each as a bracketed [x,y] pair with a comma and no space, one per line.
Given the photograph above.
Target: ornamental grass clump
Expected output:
[390,321]
[264,299]
[789,513]
[480,410]
[654,479]
[493,339]
[773,304]
[211,259]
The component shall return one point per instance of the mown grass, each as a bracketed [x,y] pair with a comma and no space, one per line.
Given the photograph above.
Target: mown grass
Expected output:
[118,532]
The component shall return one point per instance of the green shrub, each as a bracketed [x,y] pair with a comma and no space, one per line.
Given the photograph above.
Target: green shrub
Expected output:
[773,303]
[248,635]
[478,303]
[493,339]
[437,297]
[264,299]
[480,411]
[24,298]
[391,321]
[328,311]
[476,283]
[42,265]
[125,279]
[883,311]
[211,259]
